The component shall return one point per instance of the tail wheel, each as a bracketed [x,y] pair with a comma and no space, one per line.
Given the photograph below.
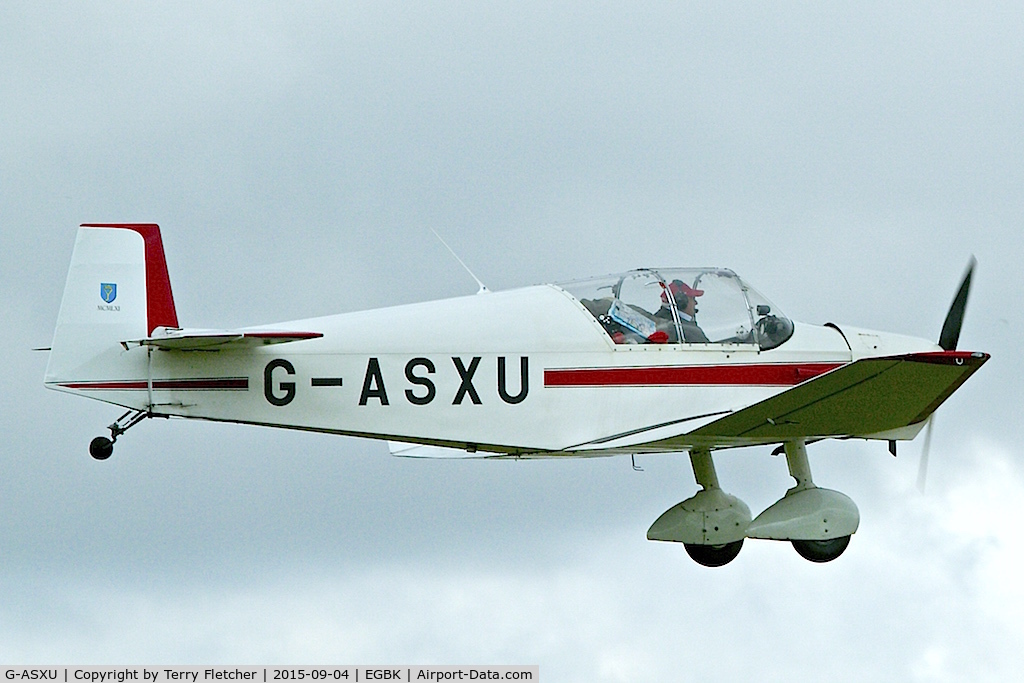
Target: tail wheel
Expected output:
[822,551]
[101,448]
[714,555]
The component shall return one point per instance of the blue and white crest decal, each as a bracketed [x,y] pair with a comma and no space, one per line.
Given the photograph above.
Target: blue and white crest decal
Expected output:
[108,291]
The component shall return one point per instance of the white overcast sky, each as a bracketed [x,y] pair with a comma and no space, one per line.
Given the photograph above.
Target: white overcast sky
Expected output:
[847,160]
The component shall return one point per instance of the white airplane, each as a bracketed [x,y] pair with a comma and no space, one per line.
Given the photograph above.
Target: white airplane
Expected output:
[620,364]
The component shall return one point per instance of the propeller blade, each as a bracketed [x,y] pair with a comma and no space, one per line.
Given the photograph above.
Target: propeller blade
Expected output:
[955,318]
[922,467]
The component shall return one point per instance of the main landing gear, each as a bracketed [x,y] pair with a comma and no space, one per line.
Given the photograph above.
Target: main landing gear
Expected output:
[101,447]
[712,524]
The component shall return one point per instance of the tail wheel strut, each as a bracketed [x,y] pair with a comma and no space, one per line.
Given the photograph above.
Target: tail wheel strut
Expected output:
[101,447]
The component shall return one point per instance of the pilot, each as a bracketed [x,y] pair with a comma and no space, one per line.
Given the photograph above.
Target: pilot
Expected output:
[685,298]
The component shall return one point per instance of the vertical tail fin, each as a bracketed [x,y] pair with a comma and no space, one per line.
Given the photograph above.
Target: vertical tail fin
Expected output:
[118,288]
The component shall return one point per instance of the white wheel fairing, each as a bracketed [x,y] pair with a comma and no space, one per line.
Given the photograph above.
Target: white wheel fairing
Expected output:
[813,514]
[710,517]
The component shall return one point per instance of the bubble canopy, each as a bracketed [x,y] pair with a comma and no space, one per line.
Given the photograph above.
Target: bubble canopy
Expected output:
[681,306]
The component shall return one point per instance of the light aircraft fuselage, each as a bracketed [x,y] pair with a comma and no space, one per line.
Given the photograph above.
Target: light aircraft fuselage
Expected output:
[645,361]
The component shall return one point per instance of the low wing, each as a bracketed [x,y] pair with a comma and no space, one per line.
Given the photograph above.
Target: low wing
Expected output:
[213,340]
[868,397]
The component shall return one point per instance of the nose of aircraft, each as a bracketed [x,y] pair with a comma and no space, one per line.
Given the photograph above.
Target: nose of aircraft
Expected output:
[873,343]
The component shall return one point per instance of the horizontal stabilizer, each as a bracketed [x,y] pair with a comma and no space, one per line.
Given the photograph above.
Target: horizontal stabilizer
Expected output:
[867,397]
[215,340]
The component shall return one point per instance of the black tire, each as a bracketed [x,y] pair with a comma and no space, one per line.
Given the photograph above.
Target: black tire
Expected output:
[713,555]
[822,551]
[101,448]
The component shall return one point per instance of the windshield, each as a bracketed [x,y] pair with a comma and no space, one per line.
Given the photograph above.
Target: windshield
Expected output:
[681,306]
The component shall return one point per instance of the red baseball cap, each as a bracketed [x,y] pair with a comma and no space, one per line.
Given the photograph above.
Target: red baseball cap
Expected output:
[678,287]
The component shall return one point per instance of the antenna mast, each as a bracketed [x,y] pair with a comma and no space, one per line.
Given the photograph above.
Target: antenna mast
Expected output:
[483,288]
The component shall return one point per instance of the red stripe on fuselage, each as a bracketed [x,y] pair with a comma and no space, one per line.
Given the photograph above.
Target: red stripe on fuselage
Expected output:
[695,375]
[214,384]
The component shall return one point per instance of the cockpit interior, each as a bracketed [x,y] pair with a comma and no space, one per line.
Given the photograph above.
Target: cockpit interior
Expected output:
[681,306]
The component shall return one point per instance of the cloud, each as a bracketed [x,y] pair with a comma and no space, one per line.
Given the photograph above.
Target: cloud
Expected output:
[924,592]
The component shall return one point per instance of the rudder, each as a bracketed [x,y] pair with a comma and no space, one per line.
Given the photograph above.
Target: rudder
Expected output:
[118,288]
